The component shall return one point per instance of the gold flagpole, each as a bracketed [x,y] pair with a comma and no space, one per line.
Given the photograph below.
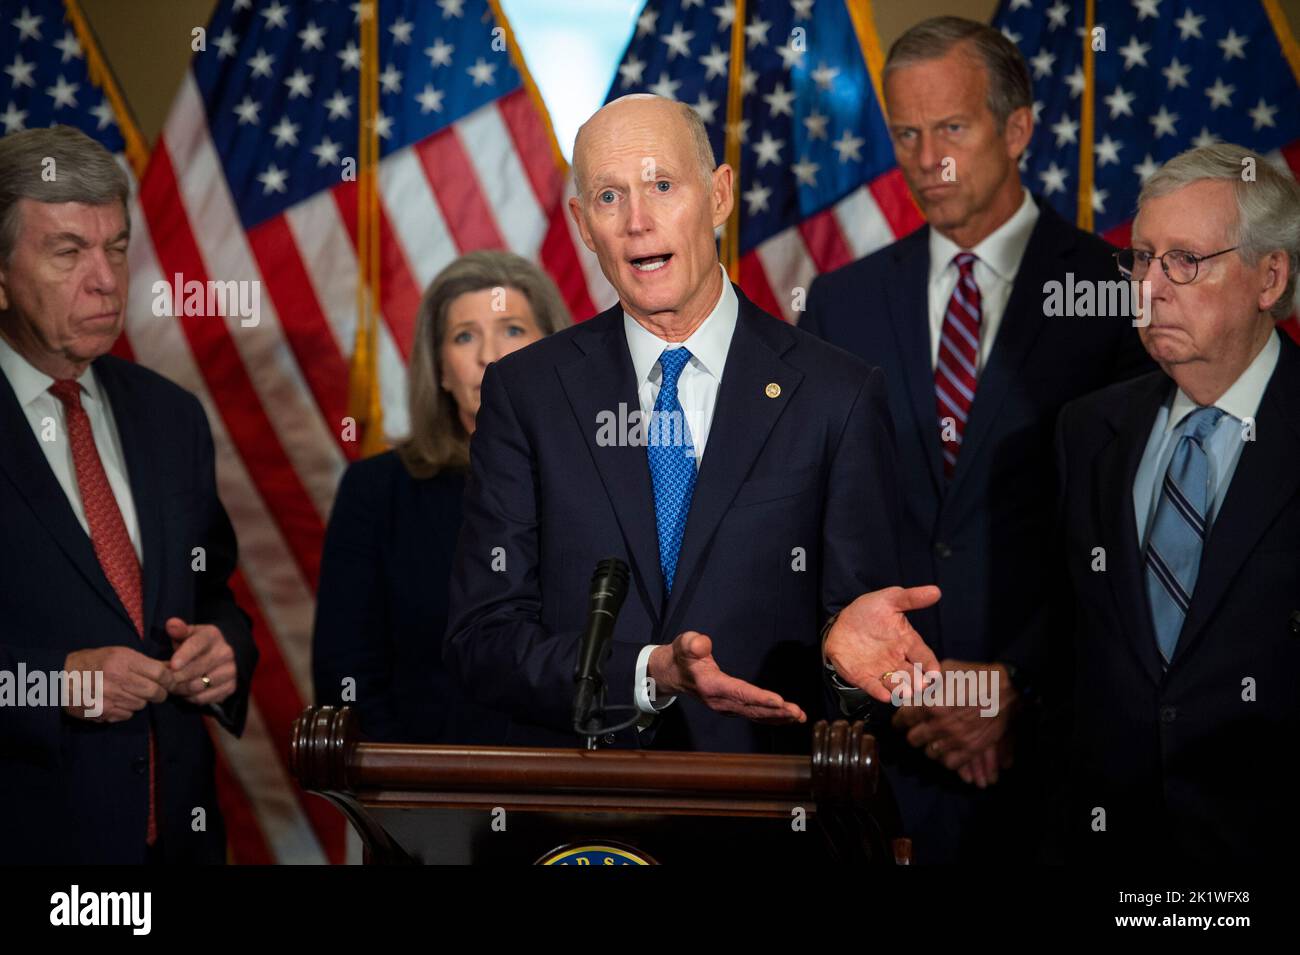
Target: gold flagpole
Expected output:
[137,153]
[364,405]
[731,148]
[1083,216]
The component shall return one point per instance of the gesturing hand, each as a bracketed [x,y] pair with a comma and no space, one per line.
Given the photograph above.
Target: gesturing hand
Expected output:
[872,638]
[687,666]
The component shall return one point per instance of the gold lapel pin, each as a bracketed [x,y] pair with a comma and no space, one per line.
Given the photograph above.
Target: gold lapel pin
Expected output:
[773,390]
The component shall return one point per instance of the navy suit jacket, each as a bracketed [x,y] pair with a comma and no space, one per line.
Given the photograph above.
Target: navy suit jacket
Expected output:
[983,535]
[794,515]
[979,536]
[382,607]
[75,791]
[1190,763]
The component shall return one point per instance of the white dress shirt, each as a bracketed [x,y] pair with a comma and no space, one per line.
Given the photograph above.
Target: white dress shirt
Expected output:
[32,388]
[697,391]
[1223,447]
[999,257]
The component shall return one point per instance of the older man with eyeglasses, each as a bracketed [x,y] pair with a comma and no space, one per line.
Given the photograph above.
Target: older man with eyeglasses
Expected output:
[1181,516]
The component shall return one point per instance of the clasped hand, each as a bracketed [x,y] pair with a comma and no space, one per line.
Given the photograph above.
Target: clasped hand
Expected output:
[965,738]
[201,670]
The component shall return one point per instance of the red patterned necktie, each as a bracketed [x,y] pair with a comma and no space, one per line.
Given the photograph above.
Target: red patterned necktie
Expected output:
[109,537]
[955,373]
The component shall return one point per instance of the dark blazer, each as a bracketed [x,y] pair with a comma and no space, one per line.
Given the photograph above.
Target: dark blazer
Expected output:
[381,608]
[980,536]
[794,515]
[1184,766]
[76,791]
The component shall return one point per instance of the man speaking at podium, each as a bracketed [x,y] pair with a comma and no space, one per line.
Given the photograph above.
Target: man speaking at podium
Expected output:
[742,468]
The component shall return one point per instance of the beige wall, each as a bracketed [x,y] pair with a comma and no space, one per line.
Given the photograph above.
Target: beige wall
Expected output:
[147,42]
[147,45]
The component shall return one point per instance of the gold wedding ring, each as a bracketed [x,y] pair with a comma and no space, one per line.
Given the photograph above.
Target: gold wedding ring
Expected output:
[207,681]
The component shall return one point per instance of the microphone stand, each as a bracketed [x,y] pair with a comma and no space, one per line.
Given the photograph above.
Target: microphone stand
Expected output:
[590,708]
[608,590]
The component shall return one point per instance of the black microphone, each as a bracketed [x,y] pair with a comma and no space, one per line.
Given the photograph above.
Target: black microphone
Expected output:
[608,591]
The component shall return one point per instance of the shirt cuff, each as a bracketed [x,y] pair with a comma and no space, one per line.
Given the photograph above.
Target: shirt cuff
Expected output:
[852,699]
[641,691]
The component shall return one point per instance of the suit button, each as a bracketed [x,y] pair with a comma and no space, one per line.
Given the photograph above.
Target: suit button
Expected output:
[609,739]
[140,765]
[1295,623]
[1168,714]
[942,550]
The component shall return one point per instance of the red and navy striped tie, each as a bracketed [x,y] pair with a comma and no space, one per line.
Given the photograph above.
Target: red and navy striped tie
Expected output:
[955,373]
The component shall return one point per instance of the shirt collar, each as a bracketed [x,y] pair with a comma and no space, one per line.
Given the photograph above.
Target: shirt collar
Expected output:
[29,383]
[1242,398]
[1001,250]
[708,344]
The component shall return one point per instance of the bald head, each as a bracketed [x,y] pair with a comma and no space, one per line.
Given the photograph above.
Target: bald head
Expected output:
[649,201]
[658,119]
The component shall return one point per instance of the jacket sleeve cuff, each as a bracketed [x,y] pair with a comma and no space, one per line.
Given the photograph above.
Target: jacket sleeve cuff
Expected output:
[853,701]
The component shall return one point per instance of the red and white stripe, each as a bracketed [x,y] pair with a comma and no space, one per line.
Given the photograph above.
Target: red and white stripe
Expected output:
[777,273]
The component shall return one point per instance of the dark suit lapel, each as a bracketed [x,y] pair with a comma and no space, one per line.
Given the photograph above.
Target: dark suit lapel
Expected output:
[135,429]
[1022,323]
[1114,471]
[1265,480]
[596,384]
[911,328]
[27,468]
[742,419]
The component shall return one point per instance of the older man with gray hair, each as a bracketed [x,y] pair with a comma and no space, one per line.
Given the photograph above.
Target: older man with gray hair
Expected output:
[117,549]
[1181,510]
[977,371]
[765,517]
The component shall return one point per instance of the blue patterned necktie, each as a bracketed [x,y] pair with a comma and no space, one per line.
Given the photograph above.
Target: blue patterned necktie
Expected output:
[672,463]
[1173,557]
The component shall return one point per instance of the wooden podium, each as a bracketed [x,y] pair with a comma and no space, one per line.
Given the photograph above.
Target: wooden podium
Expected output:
[502,805]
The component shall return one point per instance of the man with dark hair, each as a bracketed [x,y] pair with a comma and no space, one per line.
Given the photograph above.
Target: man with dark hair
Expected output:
[977,373]
[119,631]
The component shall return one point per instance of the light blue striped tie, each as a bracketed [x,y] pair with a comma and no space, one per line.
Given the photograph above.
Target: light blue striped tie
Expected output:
[1173,557]
[671,451]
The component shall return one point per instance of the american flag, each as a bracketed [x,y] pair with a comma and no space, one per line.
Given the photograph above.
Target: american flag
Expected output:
[249,182]
[46,77]
[1173,74]
[818,186]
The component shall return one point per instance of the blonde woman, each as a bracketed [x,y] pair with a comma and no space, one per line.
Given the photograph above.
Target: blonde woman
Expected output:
[382,604]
